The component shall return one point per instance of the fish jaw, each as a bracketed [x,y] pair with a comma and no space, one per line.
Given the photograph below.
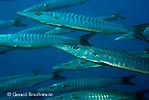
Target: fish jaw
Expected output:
[40,17]
[80,51]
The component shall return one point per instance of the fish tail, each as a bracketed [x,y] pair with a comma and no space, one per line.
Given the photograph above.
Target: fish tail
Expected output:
[56,75]
[85,38]
[125,37]
[140,94]
[126,80]
[138,32]
[17,22]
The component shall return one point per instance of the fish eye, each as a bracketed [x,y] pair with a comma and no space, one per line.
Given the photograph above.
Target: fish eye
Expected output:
[44,4]
[95,54]
[37,13]
[62,85]
[75,47]
[59,97]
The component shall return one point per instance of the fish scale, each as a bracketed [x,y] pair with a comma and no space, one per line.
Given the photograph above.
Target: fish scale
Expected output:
[35,40]
[77,21]
[16,84]
[76,64]
[85,21]
[95,95]
[125,60]
[114,58]
[85,84]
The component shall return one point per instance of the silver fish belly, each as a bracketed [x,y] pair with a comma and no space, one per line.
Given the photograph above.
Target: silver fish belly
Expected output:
[95,95]
[76,64]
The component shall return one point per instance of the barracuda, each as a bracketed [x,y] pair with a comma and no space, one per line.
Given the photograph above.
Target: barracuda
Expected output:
[102,95]
[11,77]
[113,58]
[86,84]
[21,83]
[40,40]
[85,23]
[75,21]
[55,4]
[76,64]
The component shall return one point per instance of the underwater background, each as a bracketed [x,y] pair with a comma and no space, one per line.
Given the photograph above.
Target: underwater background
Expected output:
[25,61]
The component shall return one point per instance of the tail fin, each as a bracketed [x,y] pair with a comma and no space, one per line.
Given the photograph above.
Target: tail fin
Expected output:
[17,22]
[85,38]
[126,80]
[140,94]
[125,37]
[56,75]
[138,32]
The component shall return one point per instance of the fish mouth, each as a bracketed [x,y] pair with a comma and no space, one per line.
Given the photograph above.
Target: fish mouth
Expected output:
[25,14]
[22,13]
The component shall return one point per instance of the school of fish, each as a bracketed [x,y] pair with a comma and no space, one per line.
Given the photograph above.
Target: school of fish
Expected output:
[86,56]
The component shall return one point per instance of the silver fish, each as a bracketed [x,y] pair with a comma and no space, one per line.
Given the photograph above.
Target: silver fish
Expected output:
[75,21]
[86,84]
[102,95]
[113,58]
[42,29]
[40,40]
[11,77]
[21,83]
[76,64]
[85,23]
[55,4]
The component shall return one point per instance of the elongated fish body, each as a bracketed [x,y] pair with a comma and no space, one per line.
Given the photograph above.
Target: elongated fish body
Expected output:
[8,78]
[86,84]
[76,64]
[96,95]
[21,83]
[113,58]
[35,40]
[75,21]
[55,4]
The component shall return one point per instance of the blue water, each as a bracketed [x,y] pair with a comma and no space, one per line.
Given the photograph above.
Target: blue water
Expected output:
[25,61]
